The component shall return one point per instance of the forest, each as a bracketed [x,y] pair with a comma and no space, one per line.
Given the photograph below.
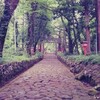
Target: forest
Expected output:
[24,25]
[49,49]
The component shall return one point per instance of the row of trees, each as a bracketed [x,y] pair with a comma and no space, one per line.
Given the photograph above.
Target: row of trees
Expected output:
[37,26]
[29,30]
[83,23]
[79,18]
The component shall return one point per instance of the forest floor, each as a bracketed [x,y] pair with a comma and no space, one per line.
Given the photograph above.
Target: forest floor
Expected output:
[47,80]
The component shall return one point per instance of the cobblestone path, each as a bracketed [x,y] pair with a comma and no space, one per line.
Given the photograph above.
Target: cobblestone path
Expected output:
[47,80]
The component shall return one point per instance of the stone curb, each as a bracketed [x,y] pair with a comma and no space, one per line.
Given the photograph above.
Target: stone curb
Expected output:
[87,73]
[11,70]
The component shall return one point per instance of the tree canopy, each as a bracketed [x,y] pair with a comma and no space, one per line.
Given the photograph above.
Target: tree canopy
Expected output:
[29,23]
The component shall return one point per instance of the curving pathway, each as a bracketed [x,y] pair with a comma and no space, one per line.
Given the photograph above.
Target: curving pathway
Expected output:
[47,80]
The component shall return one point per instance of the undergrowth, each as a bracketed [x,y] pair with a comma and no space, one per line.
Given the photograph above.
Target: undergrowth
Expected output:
[10,55]
[93,58]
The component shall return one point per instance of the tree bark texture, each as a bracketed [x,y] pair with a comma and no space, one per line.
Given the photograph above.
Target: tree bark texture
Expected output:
[10,6]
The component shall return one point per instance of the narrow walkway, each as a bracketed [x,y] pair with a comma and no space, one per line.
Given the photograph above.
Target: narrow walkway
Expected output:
[47,80]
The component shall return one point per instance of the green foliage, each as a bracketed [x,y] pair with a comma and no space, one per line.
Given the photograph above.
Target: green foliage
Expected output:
[49,47]
[41,28]
[49,9]
[93,59]
[10,55]
[38,54]
[1,8]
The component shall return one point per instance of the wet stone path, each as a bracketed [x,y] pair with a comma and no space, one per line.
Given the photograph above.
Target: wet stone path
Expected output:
[47,80]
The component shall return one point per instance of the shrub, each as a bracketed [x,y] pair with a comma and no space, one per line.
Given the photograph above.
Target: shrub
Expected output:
[11,70]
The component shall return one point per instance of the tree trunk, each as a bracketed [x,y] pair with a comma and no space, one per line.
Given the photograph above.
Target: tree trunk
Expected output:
[98,25]
[75,42]
[35,47]
[30,37]
[28,44]
[64,42]
[75,29]
[17,33]
[40,47]
[3,28]
[70,42]
[87,25]
[59,44]
[2,39]
[10,6]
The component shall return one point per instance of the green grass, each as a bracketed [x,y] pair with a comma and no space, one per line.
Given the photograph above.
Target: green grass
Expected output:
[90,58]
[94,59]
[11,56]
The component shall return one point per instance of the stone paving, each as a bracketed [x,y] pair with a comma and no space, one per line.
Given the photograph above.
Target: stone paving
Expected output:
[47,80]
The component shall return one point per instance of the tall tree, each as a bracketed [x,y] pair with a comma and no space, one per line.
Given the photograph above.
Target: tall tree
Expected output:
[98,24]
[16,33]
[68,10]
[10,6]
[85,4]
[38,21]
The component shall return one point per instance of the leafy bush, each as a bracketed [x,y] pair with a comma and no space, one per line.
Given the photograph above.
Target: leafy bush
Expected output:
[93,59]
[11,70]
[10,55]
